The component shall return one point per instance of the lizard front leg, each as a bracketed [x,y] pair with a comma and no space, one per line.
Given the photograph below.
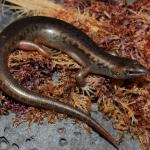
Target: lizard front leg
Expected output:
[80,78]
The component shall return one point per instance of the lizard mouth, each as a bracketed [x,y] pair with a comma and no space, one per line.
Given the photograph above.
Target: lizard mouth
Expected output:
[138,72]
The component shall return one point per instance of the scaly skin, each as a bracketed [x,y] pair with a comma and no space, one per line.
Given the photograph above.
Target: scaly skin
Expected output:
[31,33]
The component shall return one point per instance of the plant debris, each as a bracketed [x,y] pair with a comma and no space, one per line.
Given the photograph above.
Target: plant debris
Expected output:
[123,31]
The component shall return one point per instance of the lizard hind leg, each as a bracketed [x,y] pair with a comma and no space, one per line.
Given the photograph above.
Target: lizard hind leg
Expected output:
[30,46]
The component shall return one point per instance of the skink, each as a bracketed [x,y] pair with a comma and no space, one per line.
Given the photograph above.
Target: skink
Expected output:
[32,33]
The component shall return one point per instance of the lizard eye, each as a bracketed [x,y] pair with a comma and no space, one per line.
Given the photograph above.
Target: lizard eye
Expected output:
[131,71]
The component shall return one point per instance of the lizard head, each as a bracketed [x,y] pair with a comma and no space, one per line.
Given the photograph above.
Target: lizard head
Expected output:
[125,68]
